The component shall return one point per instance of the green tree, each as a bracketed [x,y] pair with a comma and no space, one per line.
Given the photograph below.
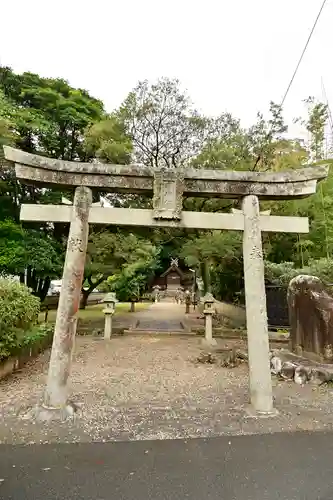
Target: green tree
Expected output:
[32,255]
[165,129]
[50,116]
[132,279]
[315,125]
[108,142]
[229,146]
[216,253]
[107,255]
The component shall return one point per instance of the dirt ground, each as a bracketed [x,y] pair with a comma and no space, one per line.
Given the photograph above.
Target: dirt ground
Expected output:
[148,387]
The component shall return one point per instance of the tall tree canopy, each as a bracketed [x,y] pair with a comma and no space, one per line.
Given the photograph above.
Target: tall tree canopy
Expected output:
[165,128]
[49,117]
[156,125]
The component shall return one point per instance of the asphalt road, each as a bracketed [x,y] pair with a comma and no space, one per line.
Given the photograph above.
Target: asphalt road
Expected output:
[275,467]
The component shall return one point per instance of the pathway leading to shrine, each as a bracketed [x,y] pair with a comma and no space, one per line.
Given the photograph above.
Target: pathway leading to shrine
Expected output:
[161,317]
[149,386]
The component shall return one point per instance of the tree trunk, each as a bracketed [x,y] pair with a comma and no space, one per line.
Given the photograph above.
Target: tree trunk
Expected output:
[132,309]
[86,293]
[44,288]
[205,275]
[84,299]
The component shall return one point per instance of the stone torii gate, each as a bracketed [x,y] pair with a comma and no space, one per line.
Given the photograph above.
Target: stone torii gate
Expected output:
[167,188]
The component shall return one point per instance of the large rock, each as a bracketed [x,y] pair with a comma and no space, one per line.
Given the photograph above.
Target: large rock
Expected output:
[311,318]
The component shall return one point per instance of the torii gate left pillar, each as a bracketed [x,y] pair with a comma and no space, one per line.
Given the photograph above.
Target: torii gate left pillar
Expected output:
[168,188]
[65,328]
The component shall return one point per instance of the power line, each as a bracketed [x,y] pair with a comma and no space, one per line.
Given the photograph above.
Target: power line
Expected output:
[303,52]
[297,66]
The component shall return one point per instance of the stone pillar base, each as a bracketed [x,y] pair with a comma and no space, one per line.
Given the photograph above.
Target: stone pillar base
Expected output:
[41,413]
[250,412]
[208,342]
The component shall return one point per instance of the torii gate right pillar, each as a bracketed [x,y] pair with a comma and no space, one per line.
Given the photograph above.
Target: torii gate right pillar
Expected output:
[256,314]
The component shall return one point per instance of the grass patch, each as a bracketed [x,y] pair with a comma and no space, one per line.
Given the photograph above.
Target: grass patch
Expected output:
[95,311]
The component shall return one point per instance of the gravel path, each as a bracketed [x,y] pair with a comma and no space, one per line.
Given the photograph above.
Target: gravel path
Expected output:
[148,387]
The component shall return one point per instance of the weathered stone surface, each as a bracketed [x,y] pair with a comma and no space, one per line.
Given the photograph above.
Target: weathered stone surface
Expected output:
[288,366]
[305,174]
[311,317]
[138,178]
[226,357]
[63,341]
[168,194]
[235,189]
[103,181]
[37,161]
[256,316]
[142,217]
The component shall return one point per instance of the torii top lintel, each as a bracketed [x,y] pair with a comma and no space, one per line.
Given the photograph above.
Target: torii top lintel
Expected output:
[189,182]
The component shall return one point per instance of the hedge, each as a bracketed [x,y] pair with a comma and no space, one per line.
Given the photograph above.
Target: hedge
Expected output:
[18,316]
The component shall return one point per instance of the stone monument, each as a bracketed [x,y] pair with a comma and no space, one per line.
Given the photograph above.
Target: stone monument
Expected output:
[311,318]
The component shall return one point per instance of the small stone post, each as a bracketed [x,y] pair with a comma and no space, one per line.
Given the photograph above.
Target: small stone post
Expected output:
[256,313]
[55,396]
[208,312]
[110,301]
[156,294]
[187,301]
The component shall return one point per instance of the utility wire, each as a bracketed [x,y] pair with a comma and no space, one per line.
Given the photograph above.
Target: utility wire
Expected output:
[297,67]
[303,52]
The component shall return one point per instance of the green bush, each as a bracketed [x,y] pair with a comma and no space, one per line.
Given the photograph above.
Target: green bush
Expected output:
[18,313]
[12,343]
[281,274]
[18,307]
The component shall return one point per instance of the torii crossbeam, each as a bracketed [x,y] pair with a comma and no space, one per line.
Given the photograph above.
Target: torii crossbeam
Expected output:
[168,188]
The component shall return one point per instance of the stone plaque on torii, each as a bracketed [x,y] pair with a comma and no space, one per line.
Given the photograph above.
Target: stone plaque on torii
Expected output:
[167,188]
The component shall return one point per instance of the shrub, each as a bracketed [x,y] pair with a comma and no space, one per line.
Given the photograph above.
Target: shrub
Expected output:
[11,343]
[18,307]
[18,312]
[37,333]
[281,274]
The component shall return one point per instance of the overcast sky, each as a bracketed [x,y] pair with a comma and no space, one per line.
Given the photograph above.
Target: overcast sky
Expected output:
[233,55]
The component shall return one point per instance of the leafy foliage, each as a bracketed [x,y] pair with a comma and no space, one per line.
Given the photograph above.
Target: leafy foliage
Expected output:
[18,307]
[36,255]
[18,313]
[49,117]
[12,343]
[157,125]
[108,141]
[131,281]
[315,125]
[165,129]
[110,254]
[282,273]
[48,114]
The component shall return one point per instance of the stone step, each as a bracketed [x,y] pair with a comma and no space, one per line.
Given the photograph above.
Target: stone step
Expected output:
[159,332]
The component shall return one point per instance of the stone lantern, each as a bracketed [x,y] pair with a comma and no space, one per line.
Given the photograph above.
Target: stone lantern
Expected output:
[156,293]
[208,311]
[110,301]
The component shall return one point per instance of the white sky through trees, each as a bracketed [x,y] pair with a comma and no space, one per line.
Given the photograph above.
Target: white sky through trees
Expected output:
[233,55]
